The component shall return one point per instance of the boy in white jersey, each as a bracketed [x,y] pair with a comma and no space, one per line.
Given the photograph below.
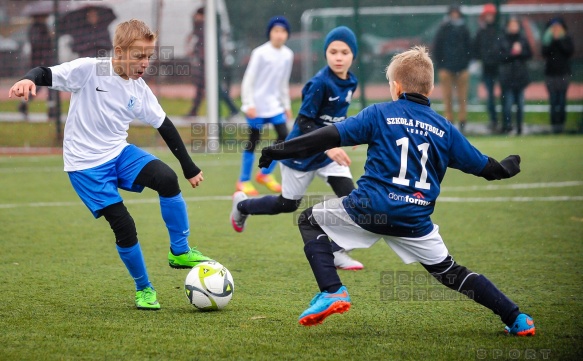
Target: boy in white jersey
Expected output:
[107,94]
[265,98]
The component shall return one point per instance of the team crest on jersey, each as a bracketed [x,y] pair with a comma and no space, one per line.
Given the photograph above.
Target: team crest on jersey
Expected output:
[349,96]
[132,102]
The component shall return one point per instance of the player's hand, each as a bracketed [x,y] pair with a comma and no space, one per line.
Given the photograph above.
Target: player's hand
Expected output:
[511,164]
[196,180]
[251,113]
[288,114]
[22,88]
[265,160]
[339,156]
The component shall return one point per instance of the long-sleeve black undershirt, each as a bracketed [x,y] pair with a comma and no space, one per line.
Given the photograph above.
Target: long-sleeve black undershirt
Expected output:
[41,76]
[172,138]
[329,137]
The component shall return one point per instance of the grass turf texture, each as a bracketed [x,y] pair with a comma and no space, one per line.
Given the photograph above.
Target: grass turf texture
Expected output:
[66,294]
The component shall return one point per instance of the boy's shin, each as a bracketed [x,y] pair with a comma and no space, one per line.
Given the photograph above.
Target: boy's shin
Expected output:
[318,250]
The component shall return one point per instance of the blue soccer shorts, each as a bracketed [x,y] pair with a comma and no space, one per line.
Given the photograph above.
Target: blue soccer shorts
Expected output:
[258,123]
[98,186]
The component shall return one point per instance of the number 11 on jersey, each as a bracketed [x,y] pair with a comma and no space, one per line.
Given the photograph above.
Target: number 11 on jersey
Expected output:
[423,148]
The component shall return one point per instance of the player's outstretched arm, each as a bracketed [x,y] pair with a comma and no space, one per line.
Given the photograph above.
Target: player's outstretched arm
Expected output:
[40,76]
[172,138]
[507,168]
[302,146]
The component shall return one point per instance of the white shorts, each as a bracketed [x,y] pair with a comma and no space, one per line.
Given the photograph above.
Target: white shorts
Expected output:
[339,227]
[294,183]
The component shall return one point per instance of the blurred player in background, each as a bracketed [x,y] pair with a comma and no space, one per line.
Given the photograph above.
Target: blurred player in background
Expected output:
[41,52]
[451,51]
[486,51]
[325,100]
[513,51]
[198,72]
[107,95]
[265,98]
[557,49]
[410,147]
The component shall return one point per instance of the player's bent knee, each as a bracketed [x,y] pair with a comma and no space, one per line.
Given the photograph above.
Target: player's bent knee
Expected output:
[309,228]
[158,176]
[287,205]
[122,224]
[449,273]
[167,181]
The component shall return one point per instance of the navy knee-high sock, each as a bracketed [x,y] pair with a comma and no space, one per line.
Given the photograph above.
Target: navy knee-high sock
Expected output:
[263,205]
[319,255]
[484,292]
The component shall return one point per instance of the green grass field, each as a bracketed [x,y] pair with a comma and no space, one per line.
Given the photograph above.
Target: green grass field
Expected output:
[66,295]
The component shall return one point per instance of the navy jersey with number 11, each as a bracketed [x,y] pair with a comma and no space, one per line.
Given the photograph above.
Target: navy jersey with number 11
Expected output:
[410,147]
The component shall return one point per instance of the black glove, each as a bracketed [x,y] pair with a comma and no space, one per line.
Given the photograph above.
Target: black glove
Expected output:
[511,164]
[265,159]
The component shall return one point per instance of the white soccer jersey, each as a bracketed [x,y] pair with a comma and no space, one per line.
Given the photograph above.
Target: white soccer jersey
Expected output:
[103,105]
[265,84]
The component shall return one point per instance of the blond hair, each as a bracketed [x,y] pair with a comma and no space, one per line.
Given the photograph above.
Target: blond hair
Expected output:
[129,31]
[413,69]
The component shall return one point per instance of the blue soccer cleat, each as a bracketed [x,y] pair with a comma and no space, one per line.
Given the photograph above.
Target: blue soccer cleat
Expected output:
[325,304]
[522,326]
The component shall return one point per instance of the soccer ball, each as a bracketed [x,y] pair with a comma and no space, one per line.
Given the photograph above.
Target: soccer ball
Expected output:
[209,286]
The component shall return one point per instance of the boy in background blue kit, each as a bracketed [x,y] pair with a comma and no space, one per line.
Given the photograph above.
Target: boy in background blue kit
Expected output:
[107,94]
[265,98]
[410,147]
[325,100]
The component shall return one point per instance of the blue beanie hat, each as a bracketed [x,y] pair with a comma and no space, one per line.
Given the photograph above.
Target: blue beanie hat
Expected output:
[344,34]
[277,21]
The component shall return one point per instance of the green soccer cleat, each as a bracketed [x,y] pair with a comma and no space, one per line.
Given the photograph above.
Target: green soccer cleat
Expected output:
[188,259]
[146,300]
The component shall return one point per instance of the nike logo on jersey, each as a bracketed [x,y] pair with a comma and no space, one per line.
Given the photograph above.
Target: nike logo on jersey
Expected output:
[333,98]
[100,90]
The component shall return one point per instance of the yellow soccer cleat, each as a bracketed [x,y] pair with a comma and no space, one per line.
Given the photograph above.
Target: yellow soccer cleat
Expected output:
[247,187]
[268,181]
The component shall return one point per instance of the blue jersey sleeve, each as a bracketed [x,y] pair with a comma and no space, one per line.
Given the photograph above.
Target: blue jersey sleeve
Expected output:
[312,97]
[358,129]
[464,156]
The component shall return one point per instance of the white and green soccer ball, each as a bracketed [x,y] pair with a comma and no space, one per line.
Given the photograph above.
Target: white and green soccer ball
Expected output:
[209,286]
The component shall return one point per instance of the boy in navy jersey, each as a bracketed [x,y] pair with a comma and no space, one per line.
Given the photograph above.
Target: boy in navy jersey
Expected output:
[325,100]
[410,147]
[107,95]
